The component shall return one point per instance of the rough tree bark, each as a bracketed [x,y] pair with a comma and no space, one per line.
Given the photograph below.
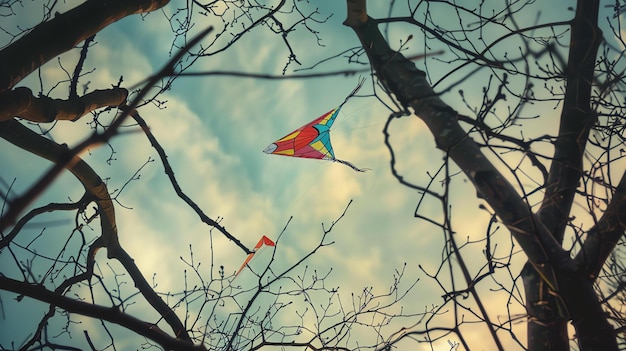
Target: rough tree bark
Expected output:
[551,272]
[20,102]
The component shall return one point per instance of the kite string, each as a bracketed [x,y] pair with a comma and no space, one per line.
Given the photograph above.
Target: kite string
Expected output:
[352,94]
[354,91]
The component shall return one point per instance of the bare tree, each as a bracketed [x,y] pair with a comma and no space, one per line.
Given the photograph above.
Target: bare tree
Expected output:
[562,203]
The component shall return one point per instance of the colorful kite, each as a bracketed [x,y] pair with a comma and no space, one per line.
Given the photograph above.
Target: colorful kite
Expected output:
[312,140]
[264,241]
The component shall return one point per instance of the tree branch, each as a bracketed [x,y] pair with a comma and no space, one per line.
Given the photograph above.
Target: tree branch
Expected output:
[71,154]
[179,191]
[603,237]
[577,118]
[6,239]
[50,39]
[20,102]
[110,314]
[26,139]
[22,137]
[566,169]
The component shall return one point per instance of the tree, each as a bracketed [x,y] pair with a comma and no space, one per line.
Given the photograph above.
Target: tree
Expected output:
[560,283]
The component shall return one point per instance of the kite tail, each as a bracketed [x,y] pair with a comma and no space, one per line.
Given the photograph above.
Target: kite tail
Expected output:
[351,165]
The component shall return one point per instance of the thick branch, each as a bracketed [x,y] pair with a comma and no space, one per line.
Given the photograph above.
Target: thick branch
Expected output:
[21,103]
[67,157]
[604,236]
[17,134]
[576,121]
[577,118]
[50,39]
[110,314]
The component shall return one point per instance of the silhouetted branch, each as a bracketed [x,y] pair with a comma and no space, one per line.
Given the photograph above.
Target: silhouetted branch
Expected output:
[35,48]
[170,174]
[79,67]
[110,314]
[67,157]
[604,236]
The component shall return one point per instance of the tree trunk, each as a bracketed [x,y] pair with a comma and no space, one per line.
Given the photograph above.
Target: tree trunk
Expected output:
[546,329]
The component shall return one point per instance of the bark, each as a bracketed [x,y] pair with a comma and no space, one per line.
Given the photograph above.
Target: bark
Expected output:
[62,33]
[576,121]
[21,103]
[546,329]
[574,292]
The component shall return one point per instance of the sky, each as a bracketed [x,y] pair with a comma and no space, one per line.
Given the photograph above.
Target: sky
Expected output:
[214,129]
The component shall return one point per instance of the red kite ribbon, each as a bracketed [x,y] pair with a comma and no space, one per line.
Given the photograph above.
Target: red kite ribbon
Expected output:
[263,241]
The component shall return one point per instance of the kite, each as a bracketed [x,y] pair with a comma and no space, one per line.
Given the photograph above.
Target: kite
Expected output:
[263,241]
[312,140]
